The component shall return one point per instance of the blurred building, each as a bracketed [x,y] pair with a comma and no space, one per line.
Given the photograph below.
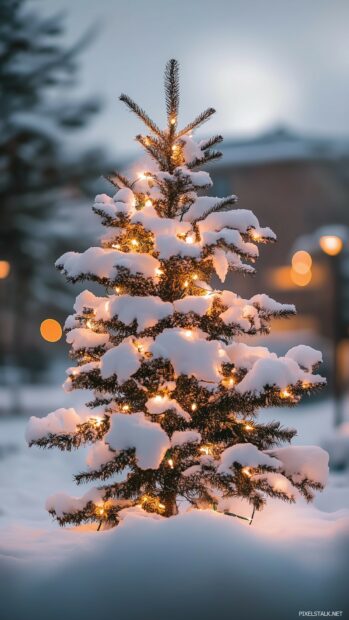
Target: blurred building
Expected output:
[294,184]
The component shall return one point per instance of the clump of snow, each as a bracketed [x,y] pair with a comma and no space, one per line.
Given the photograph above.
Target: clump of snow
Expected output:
[247,455]
[156,405]
[198,304]
[305,356]
[270,306]
[220,263]
[59,422]
[280,372]
[190,354]
[303,462]
[98,455]
[244,356]
[122,361]
[135,431]
[62,503]
[147,311]
[102,263]
[179,438]
[84,338]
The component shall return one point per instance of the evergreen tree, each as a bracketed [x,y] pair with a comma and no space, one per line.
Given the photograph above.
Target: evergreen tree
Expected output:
[176,395]
[38,112]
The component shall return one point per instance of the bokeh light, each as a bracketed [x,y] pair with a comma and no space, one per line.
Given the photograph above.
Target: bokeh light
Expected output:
[301,262]
[50,330]
[4,269]
[301,279]
[331,244]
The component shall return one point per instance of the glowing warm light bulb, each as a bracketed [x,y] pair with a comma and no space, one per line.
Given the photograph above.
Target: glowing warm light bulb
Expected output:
[148,203]
[231,381]
[331,244]
[188,333]
[248,427]
[174,147]
[194,407]
[162,506]
[190,239]
[285,394]
[186,284]
[142,176]
[4,269]
[173,120]
[97,421]
[159,272]
[306,385]
[205,450]
[195,276]
[170,462]
[134,242]
[116,246]
[158,398]
[246,471]
[255,235]
[117,289]
[125,407]
[221,352]
[89,323]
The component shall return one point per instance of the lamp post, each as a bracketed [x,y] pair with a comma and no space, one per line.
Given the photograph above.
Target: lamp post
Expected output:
[332,246]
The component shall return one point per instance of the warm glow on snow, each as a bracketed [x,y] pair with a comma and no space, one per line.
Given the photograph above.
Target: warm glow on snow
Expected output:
[50,330]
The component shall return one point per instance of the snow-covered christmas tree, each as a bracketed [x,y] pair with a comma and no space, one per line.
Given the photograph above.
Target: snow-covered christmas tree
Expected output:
[175,394]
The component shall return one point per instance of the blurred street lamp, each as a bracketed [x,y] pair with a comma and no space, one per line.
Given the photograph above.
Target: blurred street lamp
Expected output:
[331,244]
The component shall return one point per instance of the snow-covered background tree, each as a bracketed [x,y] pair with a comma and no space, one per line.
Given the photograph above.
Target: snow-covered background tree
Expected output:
[175,394]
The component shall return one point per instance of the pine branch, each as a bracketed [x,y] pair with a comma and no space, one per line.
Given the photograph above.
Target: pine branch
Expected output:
[172,90]
[200,161]
[211,142]
[199,120]
[151,149]
[219,206]
[134,107]
[118,180]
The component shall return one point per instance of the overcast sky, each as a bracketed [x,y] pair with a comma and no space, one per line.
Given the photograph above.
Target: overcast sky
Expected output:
[258,62]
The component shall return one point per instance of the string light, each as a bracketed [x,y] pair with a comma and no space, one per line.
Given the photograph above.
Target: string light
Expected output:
[248,427]
[205,450]
[285,394]
[195,276]
[158,272]
[158,398]
[97,421]
[116,246]
[89,323]
[188,333]
[221,352]
[194,407]
[134,242]
[148,203]
[173,120]
[125,407]
[246,471]
[189,239]
[117,289]
[186,284]
[306,385]
[162,506]
[170,462]
[255,235]
[142,176]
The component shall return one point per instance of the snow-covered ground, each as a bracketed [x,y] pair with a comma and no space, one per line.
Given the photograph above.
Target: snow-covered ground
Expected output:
[197,565]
